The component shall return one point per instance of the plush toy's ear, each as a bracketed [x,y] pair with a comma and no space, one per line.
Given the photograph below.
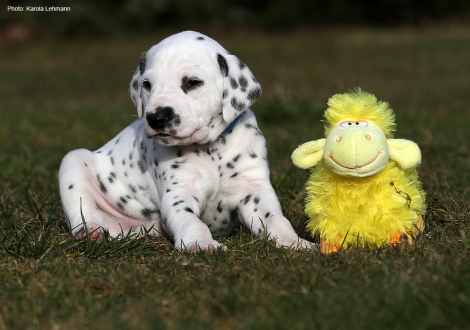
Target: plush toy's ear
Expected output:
[240,90]
[135,87]
[308,154]
[404,152]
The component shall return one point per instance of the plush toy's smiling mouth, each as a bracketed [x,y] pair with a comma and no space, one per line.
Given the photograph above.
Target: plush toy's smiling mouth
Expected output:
[330,156]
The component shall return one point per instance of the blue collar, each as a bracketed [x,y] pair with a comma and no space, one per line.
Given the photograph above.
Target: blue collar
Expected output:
[230,127]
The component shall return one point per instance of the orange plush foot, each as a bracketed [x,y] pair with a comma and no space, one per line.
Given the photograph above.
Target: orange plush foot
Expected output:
[403,238]
[328,248]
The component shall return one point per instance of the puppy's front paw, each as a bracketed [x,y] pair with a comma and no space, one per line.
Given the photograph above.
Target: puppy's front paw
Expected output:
[91,232]
[298,244]
[208,246]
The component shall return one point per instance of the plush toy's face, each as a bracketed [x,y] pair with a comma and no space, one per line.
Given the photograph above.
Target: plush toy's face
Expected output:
[356,149]
[356,145]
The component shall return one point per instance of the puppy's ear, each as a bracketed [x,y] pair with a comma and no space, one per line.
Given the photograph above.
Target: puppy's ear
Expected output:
[240,90]
[135,87]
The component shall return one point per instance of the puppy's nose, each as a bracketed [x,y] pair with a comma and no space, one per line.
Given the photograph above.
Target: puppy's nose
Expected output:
[160,118]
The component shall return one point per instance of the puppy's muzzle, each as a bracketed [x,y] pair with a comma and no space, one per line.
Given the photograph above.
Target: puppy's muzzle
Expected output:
[161,118]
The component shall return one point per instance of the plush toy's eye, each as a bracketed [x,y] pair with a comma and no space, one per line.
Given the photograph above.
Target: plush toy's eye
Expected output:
[346,124]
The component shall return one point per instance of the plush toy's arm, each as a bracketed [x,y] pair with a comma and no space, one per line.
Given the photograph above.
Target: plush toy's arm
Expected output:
[308,154]
[404,152]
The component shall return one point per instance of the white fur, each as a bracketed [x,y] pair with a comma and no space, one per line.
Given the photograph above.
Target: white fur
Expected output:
[181,179]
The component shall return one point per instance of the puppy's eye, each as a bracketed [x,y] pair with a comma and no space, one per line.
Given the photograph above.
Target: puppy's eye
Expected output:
[194,82]
[191,83]
[146,85]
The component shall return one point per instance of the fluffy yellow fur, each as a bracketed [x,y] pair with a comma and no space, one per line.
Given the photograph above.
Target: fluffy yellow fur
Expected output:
[359,106]
[364,211]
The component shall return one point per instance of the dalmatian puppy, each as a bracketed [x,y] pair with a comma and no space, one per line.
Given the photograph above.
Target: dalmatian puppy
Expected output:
[193,166]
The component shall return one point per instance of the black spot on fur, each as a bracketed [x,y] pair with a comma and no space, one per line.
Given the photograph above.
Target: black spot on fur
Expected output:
[220,207]
[179,153]
[256,200]
[102,186]
[143,63]
[189,210]
[141,166]
[86,165]
[234,175]
[133,188]
[120,206]
[233,83]
[267,215]
[175,166]
[241,65]
[246,199]
[135,85]
[237,106]
[230,165]
[254,94]
[223,64]
[237,157]
[225,94]
[123,199]
[71,186]
[146,213]
[243,83]
[196,199]
[200,38]
[253,155]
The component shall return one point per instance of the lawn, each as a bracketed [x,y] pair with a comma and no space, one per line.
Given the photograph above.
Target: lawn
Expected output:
[58,95]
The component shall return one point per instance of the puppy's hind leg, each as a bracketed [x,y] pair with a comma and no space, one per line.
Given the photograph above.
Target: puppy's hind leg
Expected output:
[76,177]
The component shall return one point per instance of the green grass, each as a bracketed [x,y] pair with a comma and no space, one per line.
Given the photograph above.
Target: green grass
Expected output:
[57,96]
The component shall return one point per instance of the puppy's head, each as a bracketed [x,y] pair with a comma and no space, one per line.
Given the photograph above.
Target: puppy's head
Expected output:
[189,89]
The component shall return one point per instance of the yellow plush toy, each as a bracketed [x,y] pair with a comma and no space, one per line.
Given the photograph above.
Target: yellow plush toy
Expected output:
[364,189]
